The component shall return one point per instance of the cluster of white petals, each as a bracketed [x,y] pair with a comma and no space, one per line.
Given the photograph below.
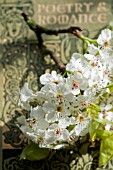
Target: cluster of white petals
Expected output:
[60,114]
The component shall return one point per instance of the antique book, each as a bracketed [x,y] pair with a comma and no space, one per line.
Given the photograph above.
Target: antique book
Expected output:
[21,61]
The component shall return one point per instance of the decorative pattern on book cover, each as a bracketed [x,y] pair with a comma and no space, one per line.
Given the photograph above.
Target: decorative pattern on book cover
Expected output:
[21,60]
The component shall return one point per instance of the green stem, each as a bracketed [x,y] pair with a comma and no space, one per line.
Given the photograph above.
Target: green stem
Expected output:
[88,40]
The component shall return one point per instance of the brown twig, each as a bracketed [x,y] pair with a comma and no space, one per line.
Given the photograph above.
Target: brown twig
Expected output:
[75,30]
[39,30]
[57,60]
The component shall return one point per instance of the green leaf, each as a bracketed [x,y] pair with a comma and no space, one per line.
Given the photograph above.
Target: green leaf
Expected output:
[104,121]
[106,150]
[105,95]
[32,152]
[102,134]
[92,130]
[71,127]
[110,87]
[70,72]
[93,110]
[95,107]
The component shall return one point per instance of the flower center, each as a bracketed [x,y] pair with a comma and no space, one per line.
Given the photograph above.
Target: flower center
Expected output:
[31,122]
[106,71]
[106,44]
[83,104]
[104,112]
[59,109]
[59,95]
[55,81]
[81,118]
[93,63]
[58,132]
[39,138]
[75,85]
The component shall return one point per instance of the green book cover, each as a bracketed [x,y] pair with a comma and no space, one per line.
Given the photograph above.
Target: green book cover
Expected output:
[20,58]
[89,14]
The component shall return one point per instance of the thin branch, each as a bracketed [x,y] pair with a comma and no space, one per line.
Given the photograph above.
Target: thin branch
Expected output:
[57,60]
[39,30]
[75,30]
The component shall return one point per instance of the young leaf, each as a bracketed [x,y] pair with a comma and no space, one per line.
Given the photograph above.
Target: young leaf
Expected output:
[104,121]
[102,134]
[93,110]
[92,130]
[110,87]
[32,152]
[106,150]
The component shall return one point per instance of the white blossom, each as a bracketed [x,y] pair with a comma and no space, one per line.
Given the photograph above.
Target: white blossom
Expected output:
[105,37]
[62,110]
[26,93]
[51,78]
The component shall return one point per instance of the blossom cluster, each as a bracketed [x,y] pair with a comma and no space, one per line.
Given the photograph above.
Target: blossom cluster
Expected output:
[62,111]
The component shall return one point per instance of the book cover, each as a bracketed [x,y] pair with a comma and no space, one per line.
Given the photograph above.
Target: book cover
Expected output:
[20,61]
